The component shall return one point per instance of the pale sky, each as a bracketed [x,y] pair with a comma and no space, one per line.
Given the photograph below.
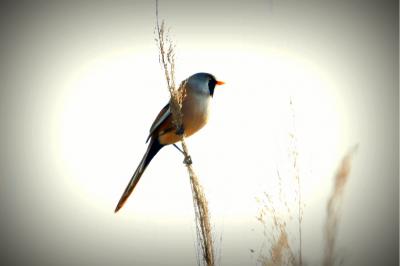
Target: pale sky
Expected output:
[81,85]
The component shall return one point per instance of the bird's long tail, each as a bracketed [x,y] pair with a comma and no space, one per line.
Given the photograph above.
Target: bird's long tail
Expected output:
[152,150]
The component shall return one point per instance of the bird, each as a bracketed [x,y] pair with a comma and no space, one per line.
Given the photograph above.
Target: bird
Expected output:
[199,90]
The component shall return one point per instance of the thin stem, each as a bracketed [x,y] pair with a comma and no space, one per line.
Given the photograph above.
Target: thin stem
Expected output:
[300,221]
[297,175]
[167,60]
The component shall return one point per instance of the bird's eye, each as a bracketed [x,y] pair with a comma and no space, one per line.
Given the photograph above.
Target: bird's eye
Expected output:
[211,83]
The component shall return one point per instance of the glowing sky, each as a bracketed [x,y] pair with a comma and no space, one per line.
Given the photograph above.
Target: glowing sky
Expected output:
[81,85]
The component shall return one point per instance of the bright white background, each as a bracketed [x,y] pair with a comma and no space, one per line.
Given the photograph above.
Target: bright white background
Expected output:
[83,85]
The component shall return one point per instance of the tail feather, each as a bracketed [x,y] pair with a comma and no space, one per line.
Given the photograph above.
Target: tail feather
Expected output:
[153,148]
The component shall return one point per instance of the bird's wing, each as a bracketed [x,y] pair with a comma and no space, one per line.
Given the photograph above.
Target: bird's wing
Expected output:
[161,117]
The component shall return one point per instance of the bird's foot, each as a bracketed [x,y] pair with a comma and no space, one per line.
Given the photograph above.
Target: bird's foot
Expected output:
[188,160]
[180,130]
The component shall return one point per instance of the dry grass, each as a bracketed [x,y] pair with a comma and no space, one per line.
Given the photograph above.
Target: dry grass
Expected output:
[280,250]
[275,231]
[334,205]
[202,218]
[296,172]
[275,225]
[203,226]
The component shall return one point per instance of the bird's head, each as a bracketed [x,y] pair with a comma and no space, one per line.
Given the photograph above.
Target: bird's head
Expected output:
[204,82]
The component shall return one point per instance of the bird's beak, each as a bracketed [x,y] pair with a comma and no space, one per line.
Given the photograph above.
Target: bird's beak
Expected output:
[220,82]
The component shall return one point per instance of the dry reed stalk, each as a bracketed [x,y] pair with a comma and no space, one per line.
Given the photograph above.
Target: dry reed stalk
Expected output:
[280,252]
[296,168]
[280,249]
[334,205]
[202,218]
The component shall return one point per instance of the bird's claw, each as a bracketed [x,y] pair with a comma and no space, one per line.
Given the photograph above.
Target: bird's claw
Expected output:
[188,160]
[180,130]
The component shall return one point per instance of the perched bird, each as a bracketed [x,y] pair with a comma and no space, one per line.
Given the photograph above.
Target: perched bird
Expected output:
[199,89]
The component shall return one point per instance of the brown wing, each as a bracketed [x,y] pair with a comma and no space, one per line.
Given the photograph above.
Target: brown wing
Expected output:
[163,115]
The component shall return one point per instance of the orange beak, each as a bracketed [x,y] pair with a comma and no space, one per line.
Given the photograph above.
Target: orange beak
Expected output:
[220,82]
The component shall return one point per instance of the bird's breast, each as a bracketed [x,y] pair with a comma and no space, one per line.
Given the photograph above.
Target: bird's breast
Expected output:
[195,113]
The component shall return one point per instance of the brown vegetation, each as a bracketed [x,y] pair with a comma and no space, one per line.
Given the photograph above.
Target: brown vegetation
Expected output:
[333,207]
[275,227]
[167,60]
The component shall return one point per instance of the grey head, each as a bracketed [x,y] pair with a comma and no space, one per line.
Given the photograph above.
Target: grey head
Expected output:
[204,82]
